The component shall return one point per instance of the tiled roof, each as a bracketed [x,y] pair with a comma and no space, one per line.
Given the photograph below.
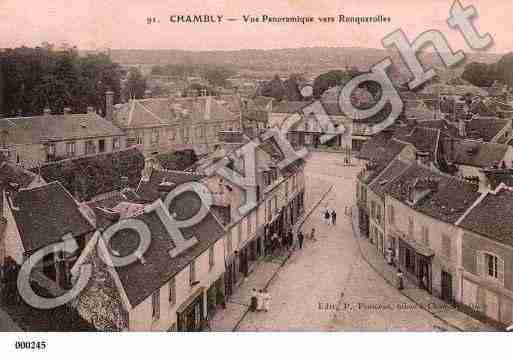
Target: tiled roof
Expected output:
[96,174]
[154,112]
[448,202]
[151,190]
[476,153]
[177,160]
[140,280]
[31,130]
[45,214]
[392,171]
[485,128]
[12,173]
[423,139]
[492,217]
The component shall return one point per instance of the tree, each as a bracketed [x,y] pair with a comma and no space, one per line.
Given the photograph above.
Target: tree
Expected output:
[36,78]
[331,79]
[135,85]
[274,88]
[292,90]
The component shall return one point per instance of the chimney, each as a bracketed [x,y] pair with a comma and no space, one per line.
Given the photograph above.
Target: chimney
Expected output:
[90,109]
[109,105]
[67,110]
[147,93]
[47,111]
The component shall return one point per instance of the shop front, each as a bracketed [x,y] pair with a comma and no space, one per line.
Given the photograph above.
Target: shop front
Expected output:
[415,259]
[191,313]
[275,227]
[250,251]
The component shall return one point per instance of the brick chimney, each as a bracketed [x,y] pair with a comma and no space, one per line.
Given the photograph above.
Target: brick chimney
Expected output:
[109,105]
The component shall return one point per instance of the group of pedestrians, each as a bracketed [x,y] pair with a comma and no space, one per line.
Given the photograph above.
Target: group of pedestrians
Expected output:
[330,217]
[260,300]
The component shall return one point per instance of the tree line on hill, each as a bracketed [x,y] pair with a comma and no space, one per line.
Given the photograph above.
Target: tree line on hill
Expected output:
[484,75]
[290,89]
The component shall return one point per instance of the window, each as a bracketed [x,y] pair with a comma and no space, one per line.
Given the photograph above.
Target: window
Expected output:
[155,305]
[239,233]
[446,246]
[70,148]
[250,224]
[101,145]
[491,262]
[50,149]
[116,144]
[139,139]
[425,235]
[89,147]
[172,291]
[229,244]
[490,266]
[211,258]
[269,210]
[392,214]
[410,227]
[192,272]
[154,136]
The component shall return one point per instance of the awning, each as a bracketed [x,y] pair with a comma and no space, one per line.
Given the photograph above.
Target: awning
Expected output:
[199,291]
[418,247]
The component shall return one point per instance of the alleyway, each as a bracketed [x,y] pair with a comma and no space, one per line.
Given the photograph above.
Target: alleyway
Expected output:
[330,273]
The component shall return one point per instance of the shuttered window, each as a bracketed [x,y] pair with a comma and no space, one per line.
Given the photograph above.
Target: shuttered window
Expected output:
[490,266]
[211,258]
[172,291]
[391,214]
[155,305]
[425,235]
[446,246]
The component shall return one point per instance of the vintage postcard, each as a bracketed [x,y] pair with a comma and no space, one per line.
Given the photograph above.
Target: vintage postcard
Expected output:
[255,166]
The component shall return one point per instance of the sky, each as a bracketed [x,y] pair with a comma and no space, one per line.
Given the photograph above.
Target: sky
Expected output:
[121,24]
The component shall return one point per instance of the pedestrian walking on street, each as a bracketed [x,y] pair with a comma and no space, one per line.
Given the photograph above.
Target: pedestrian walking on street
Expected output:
[267,300]
[254,300]
[400,280]
[300,239]
[334,218]
[327,217]
[260,300]
[312,235]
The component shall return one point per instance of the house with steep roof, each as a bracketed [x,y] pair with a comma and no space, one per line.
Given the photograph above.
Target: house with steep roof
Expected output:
[39,217]
[422,210]
[378,153]
[99,175]
[486,266]
[170,124]
[32,141]
[469,157]
[171,285]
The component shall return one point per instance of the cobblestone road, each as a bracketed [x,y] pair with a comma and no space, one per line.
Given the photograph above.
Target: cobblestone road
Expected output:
[330,273]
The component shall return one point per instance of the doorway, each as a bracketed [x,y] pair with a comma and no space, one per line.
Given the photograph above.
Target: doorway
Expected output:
[446,286]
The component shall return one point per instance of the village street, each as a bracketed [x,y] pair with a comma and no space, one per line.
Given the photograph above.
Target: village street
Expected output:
[331,273]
